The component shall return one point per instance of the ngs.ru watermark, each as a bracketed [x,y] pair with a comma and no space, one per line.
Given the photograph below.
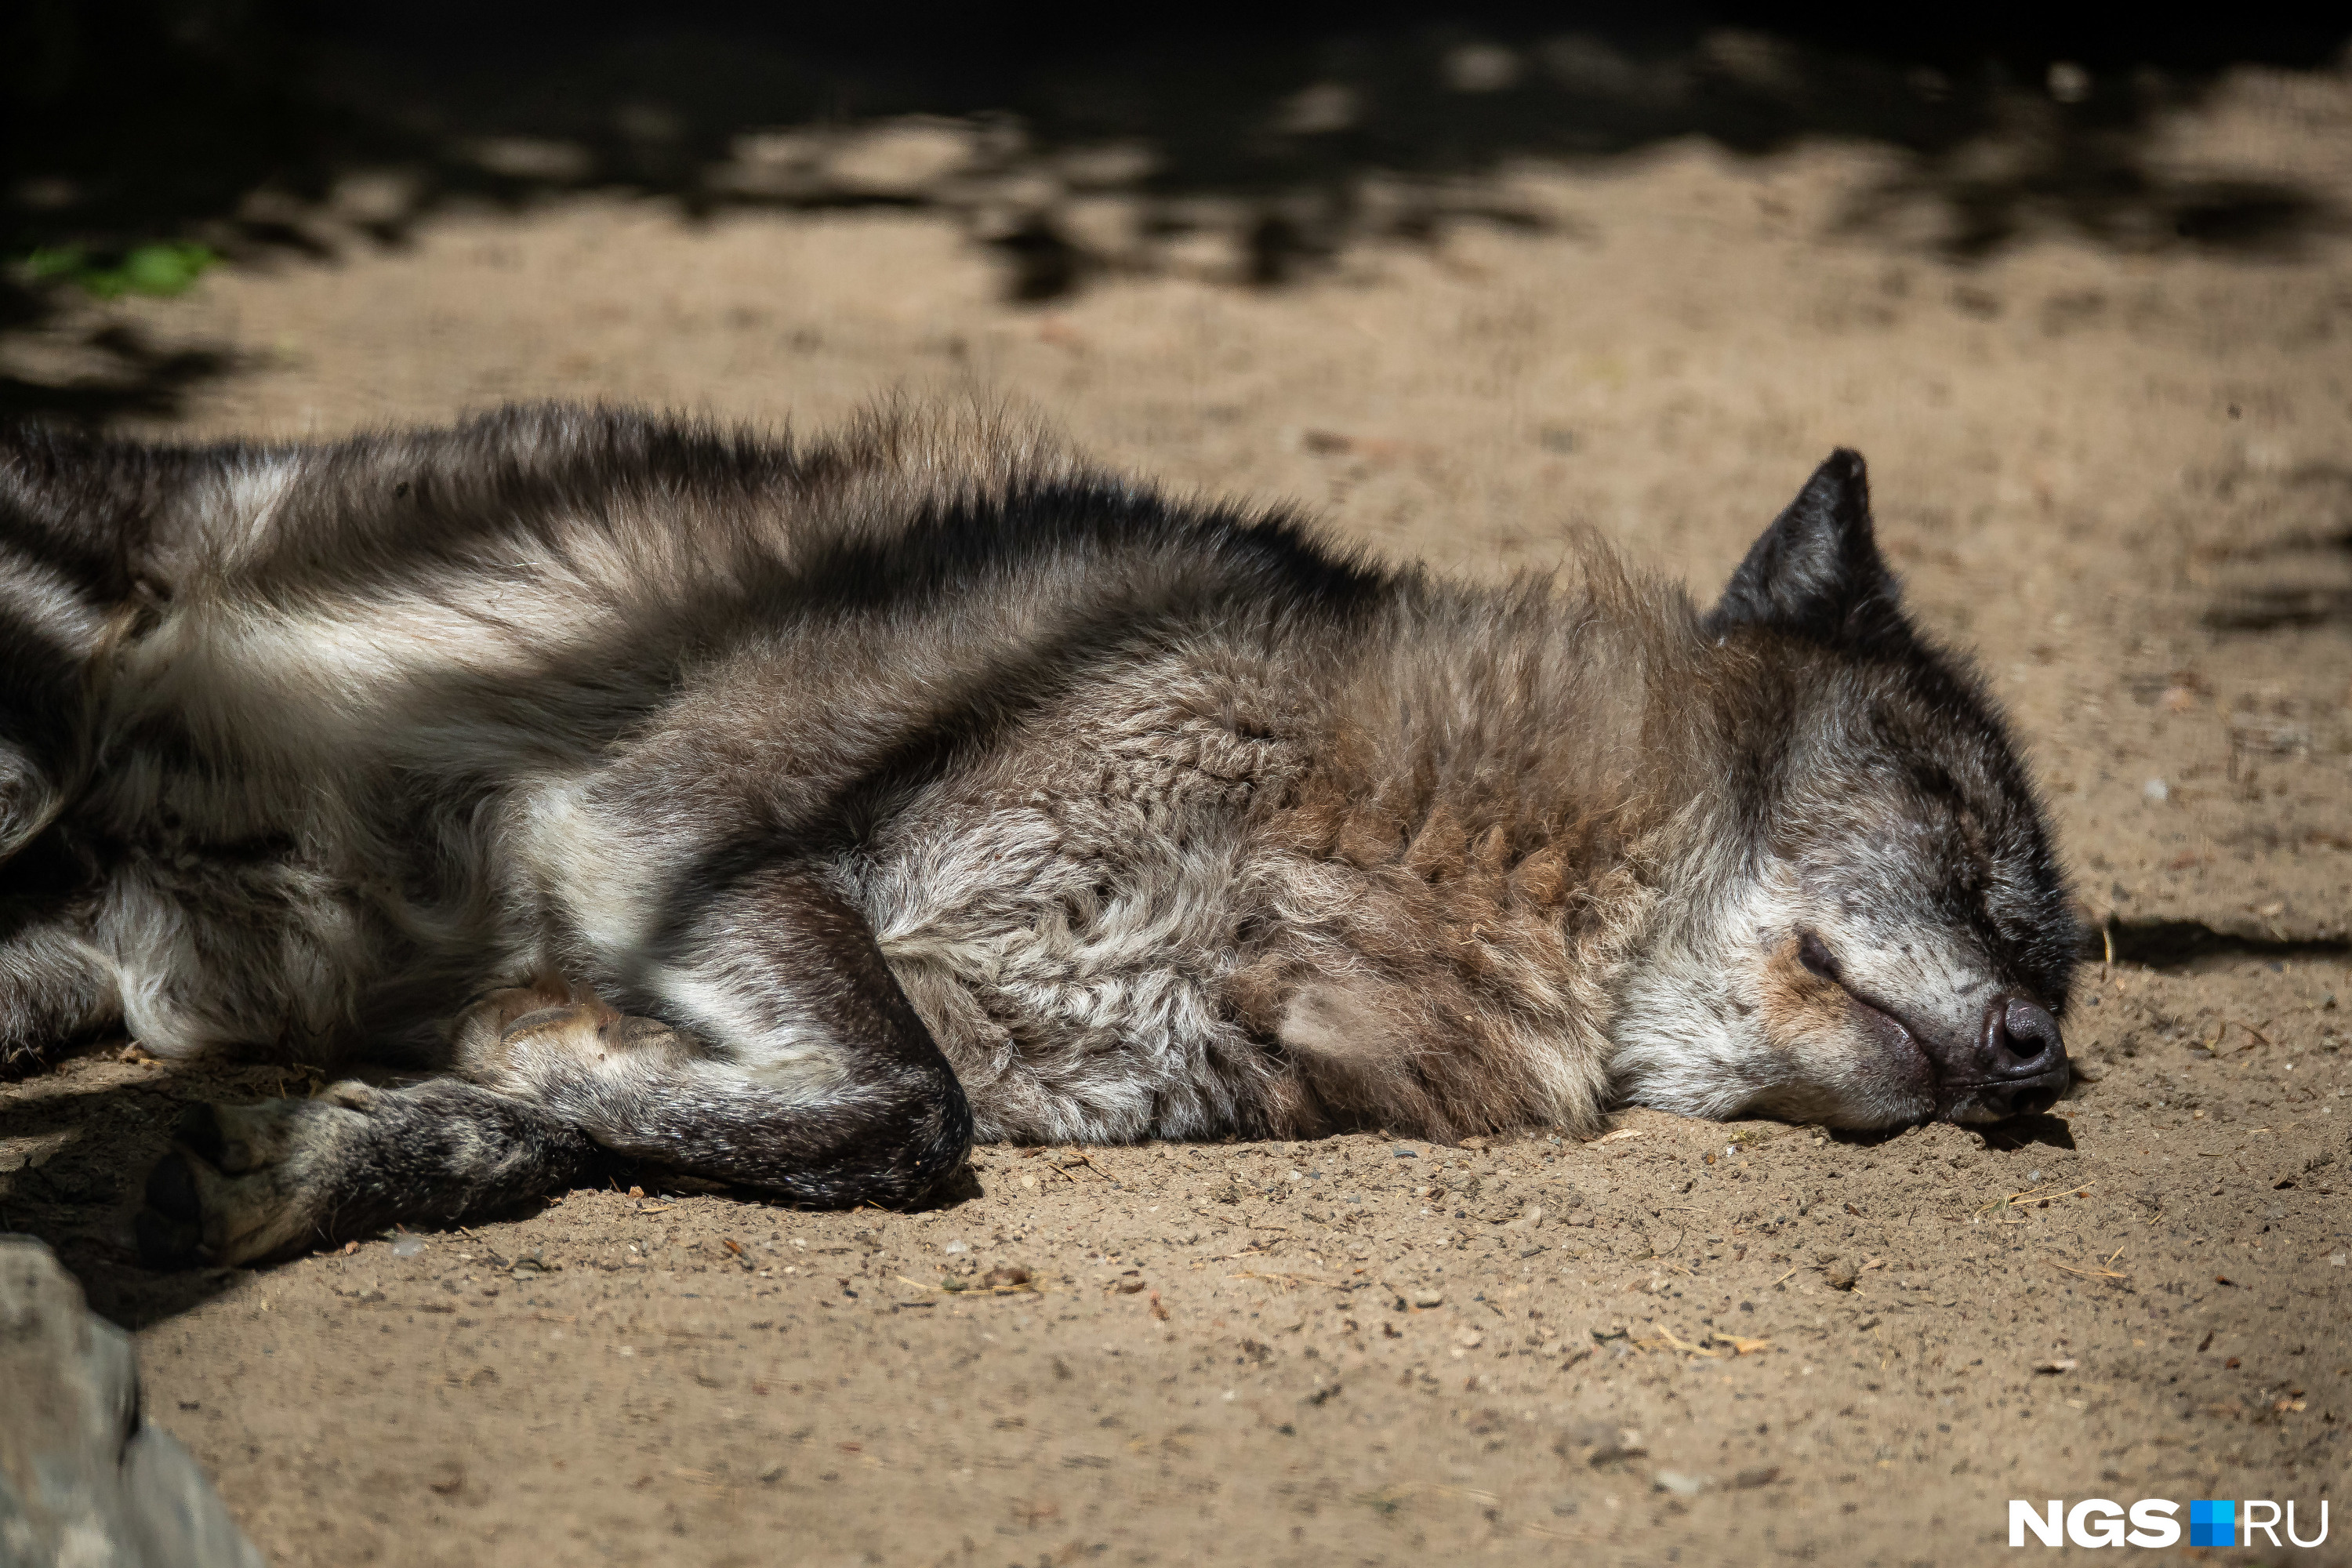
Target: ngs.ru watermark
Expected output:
[2156,1521]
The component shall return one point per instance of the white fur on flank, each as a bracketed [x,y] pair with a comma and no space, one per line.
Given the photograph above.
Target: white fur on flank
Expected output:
[566,858]
[236,515]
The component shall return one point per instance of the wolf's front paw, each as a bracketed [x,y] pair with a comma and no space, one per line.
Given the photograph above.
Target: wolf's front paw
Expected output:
[244,1182]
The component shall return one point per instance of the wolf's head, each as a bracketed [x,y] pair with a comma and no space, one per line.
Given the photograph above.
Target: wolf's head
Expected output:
[1877,931]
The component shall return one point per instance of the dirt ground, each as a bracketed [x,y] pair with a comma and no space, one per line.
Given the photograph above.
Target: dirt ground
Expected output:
[2120,472]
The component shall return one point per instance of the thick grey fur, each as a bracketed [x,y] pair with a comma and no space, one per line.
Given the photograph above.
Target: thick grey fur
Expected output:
[791,813]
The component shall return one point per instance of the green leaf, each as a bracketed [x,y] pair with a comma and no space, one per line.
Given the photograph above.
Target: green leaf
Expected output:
[164,269]
[161,268]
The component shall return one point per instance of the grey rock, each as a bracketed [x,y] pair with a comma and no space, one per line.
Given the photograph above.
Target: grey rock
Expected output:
[85,1482]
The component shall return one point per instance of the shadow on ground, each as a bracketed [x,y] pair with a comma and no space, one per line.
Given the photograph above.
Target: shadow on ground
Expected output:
[2284,561]
[85,1136]
[2177,944]
[246,124]
[81,1128]
[2306,581]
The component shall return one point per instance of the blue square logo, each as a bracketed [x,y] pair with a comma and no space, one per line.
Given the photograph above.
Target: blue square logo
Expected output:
[2212,1523]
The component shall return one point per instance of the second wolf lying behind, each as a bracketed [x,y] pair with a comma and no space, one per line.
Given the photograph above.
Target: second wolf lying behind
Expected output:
[793,815]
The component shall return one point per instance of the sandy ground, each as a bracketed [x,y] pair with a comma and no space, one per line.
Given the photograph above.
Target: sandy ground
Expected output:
[2121,474]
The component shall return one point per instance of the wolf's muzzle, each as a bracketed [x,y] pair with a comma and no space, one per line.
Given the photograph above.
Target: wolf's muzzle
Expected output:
[2020,1066]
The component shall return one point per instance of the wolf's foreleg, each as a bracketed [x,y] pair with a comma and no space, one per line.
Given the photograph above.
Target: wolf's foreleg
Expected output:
[247,1182]
[796,1067]
[791,1060]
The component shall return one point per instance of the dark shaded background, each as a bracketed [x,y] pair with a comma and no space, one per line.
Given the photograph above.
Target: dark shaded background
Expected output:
[224,121]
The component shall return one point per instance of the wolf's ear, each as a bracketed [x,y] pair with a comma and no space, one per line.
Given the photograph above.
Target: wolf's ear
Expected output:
[1817,572]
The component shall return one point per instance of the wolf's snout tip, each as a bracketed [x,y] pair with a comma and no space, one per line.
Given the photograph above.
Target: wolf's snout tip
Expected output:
[2025,1059]
[2022,1038]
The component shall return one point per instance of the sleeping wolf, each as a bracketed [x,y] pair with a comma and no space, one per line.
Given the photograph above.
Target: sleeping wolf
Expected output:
[793,815]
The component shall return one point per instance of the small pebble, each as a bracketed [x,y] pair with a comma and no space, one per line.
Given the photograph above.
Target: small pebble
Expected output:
[1679,1484]
[1429,1298]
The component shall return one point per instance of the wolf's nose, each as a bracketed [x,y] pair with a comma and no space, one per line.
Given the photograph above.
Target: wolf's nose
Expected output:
[2017,1063]
[2022,1038]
